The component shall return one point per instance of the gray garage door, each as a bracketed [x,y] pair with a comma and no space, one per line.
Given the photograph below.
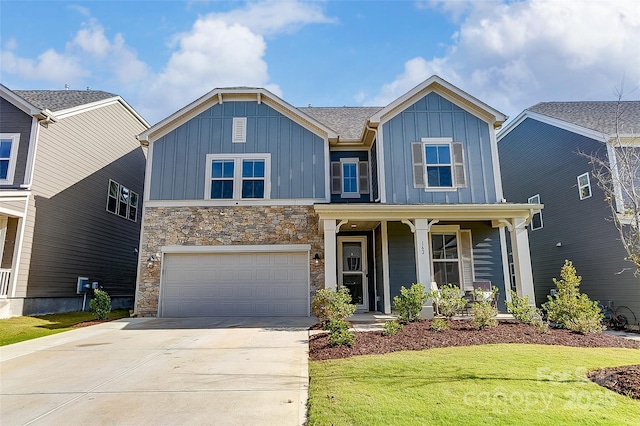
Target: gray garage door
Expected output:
[235,284]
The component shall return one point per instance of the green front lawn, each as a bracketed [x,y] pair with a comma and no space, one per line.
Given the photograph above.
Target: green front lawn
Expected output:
[18,329]
[502,384]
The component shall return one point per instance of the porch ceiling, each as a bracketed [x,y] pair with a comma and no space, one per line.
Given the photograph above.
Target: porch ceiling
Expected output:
[371,213]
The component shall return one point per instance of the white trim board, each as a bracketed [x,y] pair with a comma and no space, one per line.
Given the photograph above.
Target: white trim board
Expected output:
[233,203]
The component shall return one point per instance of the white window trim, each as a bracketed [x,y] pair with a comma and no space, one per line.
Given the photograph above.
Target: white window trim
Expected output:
[440,230]
[15,142]
[584,186]
[239,130]
[438,141]
[117,212]
[354,161]
[237,175]
[535,200]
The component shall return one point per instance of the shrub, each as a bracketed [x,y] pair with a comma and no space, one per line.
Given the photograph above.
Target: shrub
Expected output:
[483,315]
[100,304]
[329,304]
[439,324]
[391,328]
[409,304]
[526,313]
[448,299]
[520,308]
[342,338]
[569,308]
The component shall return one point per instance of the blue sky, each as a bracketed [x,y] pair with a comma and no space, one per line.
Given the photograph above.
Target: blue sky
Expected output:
[161,55]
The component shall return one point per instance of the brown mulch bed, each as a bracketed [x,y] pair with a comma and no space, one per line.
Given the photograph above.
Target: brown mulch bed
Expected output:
[624,380]
[417,336]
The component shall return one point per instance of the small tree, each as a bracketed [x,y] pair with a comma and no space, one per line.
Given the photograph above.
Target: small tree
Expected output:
[409,304]
[100,304]
[568,307]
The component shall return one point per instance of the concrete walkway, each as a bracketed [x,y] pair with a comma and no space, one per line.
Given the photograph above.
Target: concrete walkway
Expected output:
[142,371]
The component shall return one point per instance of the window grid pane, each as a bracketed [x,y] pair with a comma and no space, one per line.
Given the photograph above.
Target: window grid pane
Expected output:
[438,164]
[5,149]
[349,178]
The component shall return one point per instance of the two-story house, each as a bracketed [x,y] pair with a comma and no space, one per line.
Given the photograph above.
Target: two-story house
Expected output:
[251,204]
[543,155]
[71,182]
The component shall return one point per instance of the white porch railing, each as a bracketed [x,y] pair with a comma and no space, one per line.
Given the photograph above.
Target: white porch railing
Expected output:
[5,276]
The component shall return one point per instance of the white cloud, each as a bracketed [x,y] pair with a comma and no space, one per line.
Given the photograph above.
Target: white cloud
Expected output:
[275,16]
[537,50]
[50,66]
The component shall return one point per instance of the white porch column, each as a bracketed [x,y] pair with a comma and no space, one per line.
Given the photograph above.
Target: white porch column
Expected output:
[386,288]
[423,255]
[330,254]
[522,259]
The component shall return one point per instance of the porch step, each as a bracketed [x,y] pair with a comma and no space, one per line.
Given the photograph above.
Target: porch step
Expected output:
[370,318]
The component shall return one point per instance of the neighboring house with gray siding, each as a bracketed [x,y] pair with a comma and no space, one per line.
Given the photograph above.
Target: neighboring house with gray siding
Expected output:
[251,204]
[71,171]
[541,161]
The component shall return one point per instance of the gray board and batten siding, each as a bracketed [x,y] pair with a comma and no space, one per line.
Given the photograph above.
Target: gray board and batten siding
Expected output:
[537,158]
[69,233]
[435,117]
[14,120]
[297,155]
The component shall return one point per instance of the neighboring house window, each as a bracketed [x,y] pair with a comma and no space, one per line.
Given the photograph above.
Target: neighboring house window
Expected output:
[8,151]
[584,186]
[239,130]
[536,221]
[438,163]
[237,176]
[350,177]
[122,201]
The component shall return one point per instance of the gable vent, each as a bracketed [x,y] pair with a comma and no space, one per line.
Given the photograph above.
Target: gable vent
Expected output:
[239,129]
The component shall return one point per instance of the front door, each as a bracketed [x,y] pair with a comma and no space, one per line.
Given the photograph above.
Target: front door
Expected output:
[352,269]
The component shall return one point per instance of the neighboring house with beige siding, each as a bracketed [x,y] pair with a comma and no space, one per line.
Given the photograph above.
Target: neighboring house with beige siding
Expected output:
[71,170]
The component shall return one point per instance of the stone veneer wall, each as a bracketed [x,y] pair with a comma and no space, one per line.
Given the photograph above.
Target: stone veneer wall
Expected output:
[239,225]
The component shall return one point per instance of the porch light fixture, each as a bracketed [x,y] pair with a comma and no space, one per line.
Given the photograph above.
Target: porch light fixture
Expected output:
[559,244]
[152,260]
[316,258]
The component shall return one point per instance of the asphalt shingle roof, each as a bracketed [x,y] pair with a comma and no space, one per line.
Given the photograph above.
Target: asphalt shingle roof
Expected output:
[598,116]
[348,122]
[58,100]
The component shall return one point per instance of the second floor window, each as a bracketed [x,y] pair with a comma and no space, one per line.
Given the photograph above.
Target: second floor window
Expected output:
[584,186]
[438,163]
[536,221]
[237,176]
[8,152]
[350,177]
[122,201]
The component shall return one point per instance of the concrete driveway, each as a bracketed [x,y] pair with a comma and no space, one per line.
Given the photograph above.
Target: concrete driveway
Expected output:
[215,371]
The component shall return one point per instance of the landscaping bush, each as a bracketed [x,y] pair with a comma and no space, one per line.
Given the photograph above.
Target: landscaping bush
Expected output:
[520,308]
[391,328]
[100,304]
[484,315]
[409,304]
[448,299]
[439,324]
[339,333]
[571,309]
[526,313]
[329,304]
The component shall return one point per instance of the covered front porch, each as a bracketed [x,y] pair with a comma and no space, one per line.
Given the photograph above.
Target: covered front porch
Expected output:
[12,213]
[374,249]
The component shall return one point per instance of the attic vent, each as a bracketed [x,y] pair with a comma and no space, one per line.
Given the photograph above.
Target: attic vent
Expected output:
[239,129]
